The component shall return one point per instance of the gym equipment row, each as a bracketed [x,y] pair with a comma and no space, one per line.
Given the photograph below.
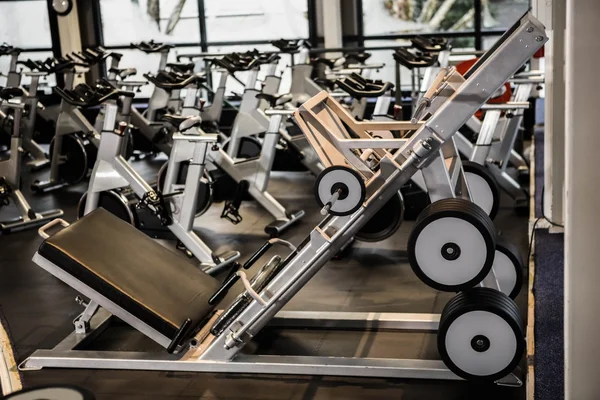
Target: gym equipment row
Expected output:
[480,333]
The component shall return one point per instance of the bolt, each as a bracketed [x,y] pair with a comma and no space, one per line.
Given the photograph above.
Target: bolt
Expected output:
[539,38]
[530,29]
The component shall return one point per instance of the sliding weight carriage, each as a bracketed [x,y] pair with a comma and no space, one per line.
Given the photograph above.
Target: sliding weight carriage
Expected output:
[480,332]
[10,173]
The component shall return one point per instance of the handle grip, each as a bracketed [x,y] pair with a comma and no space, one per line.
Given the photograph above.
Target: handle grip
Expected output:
[43,229]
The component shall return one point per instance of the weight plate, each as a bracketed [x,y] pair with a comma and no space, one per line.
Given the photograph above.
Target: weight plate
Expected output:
[483,187]
[508,268]
[351,184]
[385,222]
[481,335]
[452,245]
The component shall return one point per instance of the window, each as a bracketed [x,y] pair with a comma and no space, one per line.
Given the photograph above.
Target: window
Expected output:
[502,13]
[25,24]
[397,17]
[171,21]
[244,20]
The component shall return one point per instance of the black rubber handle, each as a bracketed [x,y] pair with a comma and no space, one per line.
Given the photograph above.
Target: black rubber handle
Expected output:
[411,60]
[181,333]
[231,280]
[258,254]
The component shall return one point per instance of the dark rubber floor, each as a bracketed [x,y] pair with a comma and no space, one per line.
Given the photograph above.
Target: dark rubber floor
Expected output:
[374,277]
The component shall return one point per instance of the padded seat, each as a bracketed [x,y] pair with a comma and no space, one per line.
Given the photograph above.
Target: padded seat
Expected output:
[141,276]
[274,100]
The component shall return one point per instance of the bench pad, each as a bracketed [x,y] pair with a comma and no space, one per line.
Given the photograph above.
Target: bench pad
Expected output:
[143,277]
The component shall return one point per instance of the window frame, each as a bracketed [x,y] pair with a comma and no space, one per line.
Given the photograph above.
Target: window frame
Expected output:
[204,43]
[478,32]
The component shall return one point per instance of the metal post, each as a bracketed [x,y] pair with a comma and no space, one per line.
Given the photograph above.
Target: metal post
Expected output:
[552,14]
[332,24]
[69,34]
[582,321]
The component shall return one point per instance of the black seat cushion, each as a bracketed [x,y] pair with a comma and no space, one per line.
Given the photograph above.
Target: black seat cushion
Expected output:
[123,264]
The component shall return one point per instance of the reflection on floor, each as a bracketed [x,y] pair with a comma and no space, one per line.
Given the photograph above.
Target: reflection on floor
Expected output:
[374,277]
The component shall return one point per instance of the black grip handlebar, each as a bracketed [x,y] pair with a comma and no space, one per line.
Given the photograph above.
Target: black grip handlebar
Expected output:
[151,46]
[430,45]
[412,60]
[85,96]
[8,50]
[359,87]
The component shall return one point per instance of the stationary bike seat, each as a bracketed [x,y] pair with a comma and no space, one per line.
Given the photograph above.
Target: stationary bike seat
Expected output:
[182,123]
[274,100]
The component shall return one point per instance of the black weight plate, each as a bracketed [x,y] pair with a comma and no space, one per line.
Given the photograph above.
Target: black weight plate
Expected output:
[384,223]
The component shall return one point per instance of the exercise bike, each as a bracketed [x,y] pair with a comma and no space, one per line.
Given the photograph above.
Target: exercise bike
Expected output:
[38,158]
[10,173]
[142,206]
[74,146]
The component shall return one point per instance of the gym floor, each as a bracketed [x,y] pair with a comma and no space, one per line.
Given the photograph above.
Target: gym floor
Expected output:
[374,277]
